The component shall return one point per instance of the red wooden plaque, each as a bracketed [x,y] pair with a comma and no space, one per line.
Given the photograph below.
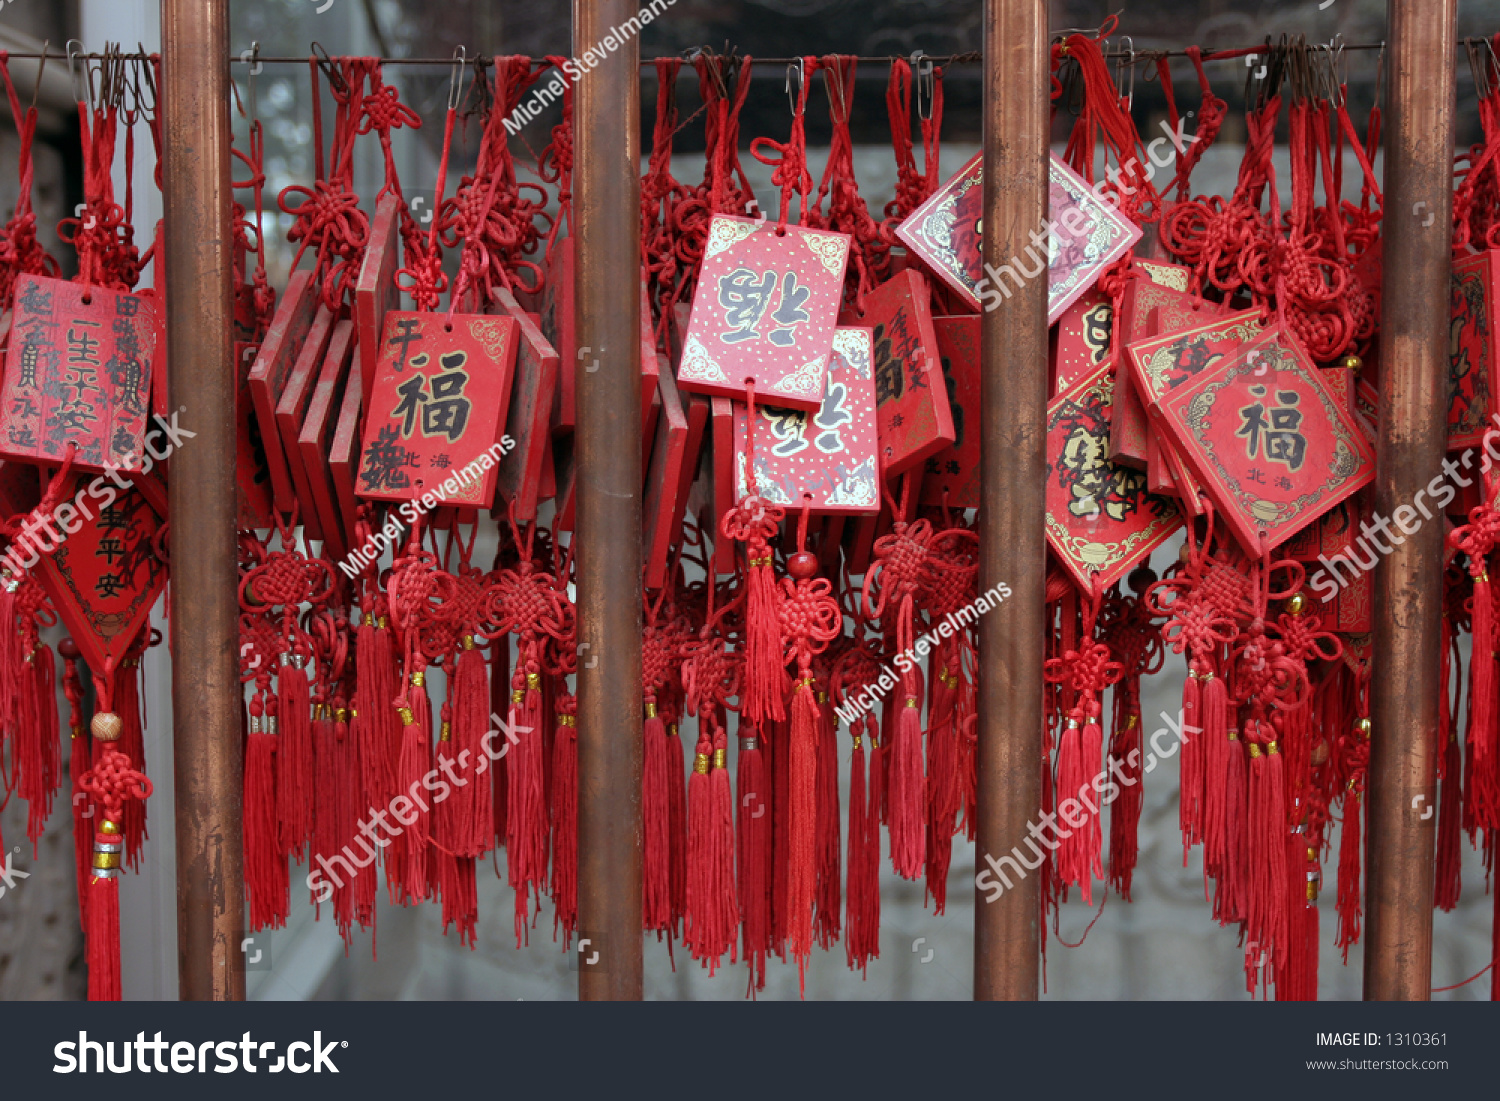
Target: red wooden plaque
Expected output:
[723,475]
[832,462]
[1082,339]
[765,308]
[662,481]
[1271,445]
[1100,519]
[520,474]
[289,324]
[313,440]
[77,372]
[291,409]
[343,453]
[911,403]
[955,469]
[435,418]
[376,293]
[559,327]
[252,478]
[1473,350]
[1089,236]
[105,577]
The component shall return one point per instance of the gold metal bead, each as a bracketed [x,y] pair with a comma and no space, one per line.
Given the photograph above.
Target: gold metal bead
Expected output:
[108,827]
[650,710]
[1254,751]
[911,701]
[1271,748]
[700,764]
[103,861]
[567,720]
[534,681]
[407,718]
[518,695]
[445,732]
[1352,361]
[721,759]
[1296,604]
[671,730]
[341,715]
[419,679]
[822,696]
[75,731]
[859,743]
[468,642]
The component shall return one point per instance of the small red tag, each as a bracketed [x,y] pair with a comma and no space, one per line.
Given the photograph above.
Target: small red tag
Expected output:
[278,351]
[560,329]
[343,453]
[765,308]
[433,431]
[376,293]
[520,475]
[662,480]
[291,408]
[1100,519]
[105,577]
[944,232]
[911,402]
[1474,349]
[1271,445]
[1082,339]
[830,463]
[78,371]
[955,469]
[723,476]
[313,440]
[252,479]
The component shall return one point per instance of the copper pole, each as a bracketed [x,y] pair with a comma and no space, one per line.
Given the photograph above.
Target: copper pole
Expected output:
[1012,473]
[606,220]
[1405,692]
[200,374]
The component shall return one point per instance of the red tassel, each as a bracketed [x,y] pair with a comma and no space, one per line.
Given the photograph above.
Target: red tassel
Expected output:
[778,747]
[474,804]
[753,849]
[677,840]
[266,875]
[712,912]
[1080,856]
[828,909]
[326,839]
[862,910]
[1190,800]
[379,733]
[565,820]
[1449,855]
[408,853]
[133,745]
[35,743]
[1266,925]
[500,770]
[942,777]
[1233,888]
[101,922]
[801,880]
[1214,755]
[1349,900]
[906,811]
[1484,799]
[656,869]
[765,672]
[294,758]
[83,809]
[1125,811]
[526,824]
[453,820]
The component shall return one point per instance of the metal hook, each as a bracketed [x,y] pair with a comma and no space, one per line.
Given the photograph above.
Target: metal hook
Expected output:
[456,77]
[801,70]
[1125,61]
[147,72]
[336,79]
[41,68]
[82,91]
[250,80]
[926,83]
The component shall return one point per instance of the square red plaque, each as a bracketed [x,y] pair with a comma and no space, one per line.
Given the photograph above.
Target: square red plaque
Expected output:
[765,308]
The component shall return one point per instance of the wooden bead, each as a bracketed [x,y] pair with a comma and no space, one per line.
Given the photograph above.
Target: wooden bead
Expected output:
[107,726]
[803,564]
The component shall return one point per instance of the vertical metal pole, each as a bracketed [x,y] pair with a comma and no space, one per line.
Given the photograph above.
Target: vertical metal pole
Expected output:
[200,372]
[1012,477]
[606,220]
[1405,690]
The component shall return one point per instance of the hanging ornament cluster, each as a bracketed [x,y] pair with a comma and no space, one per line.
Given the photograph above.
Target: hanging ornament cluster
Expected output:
[809,411]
